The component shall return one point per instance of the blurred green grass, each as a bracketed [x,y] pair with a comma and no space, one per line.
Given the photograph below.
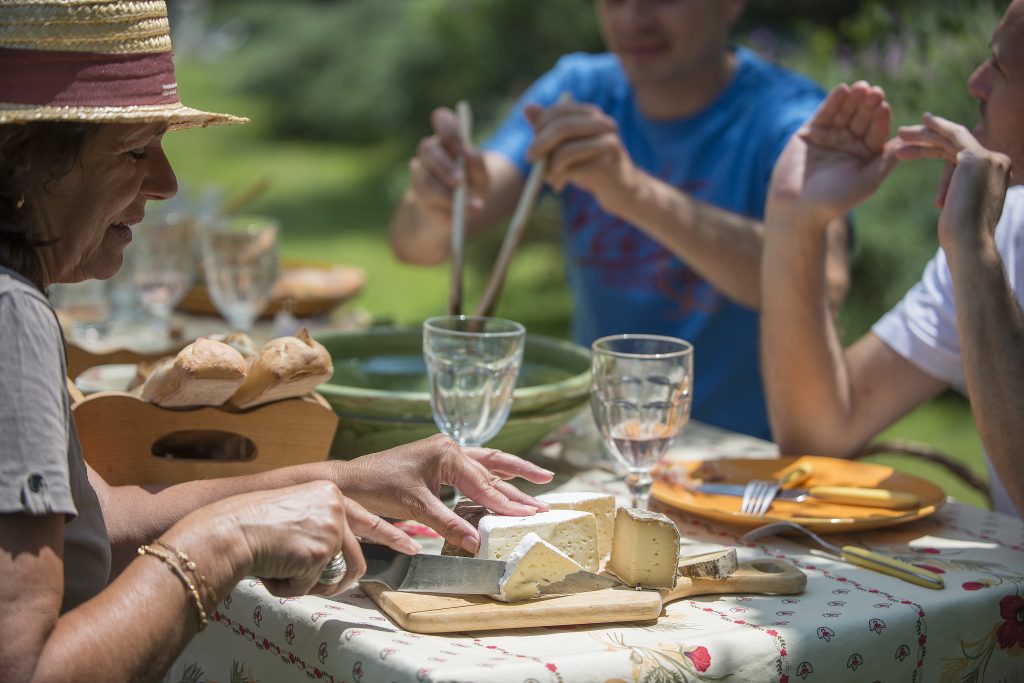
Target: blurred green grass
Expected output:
[334,202]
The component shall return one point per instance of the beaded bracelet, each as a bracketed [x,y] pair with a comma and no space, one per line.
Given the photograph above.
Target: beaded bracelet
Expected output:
[192,567]
[169,561]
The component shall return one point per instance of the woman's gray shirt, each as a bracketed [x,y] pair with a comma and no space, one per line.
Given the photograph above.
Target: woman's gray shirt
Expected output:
[42,470]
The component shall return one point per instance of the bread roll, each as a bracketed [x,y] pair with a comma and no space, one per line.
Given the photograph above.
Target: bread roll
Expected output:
[285,367]
[239,341]
[204,373]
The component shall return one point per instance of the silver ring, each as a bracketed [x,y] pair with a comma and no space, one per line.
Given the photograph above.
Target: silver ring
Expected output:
[334,571]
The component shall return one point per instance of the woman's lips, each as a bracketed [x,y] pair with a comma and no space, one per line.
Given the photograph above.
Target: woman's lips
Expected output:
[122,230]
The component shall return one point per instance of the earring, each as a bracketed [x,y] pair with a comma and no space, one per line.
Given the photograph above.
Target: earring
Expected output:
[20,202]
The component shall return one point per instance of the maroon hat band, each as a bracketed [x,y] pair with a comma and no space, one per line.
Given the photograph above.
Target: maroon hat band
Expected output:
[86,79]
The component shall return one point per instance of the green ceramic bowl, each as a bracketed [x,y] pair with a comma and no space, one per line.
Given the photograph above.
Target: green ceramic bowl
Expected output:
[379,390]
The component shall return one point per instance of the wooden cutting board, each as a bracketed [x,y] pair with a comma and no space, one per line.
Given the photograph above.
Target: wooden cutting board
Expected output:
[430,613]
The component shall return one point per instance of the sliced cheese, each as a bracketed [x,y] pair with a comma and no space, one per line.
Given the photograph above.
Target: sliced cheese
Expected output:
[601,505]
[534,563]
[645,553]
[571,531]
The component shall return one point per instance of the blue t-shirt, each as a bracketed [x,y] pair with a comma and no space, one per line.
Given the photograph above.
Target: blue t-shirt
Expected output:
[624,281]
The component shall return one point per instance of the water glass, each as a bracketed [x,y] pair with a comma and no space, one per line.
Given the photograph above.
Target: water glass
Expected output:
[241,265]
[472,366]
[163,264]
[640,394]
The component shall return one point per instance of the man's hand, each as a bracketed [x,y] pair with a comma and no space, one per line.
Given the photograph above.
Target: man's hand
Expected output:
[583,147]
[839,157]
[404,483]
[973,186]
[434,170]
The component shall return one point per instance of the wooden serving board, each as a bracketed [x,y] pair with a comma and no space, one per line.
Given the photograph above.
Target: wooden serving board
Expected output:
[430,613]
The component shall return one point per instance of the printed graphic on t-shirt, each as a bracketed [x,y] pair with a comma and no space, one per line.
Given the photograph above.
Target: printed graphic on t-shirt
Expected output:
[623,257]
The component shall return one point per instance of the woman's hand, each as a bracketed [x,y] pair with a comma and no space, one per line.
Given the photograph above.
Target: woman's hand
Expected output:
[973,186]
[287,536]
[838,158]
[404,483]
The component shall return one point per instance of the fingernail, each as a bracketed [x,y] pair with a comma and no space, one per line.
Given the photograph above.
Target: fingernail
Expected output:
[472,541]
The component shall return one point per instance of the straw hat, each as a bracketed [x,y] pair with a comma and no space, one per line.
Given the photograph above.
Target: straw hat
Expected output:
[103,61]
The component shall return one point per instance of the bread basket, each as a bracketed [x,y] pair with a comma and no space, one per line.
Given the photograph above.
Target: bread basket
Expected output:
[130,441]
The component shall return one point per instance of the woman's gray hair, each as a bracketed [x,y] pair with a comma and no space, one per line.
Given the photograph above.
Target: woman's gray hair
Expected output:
[32,157]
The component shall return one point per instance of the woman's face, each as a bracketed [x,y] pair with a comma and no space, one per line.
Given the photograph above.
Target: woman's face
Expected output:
[90,211]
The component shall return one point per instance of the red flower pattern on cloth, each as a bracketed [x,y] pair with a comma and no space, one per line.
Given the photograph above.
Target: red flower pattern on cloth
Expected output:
[974,585]
[700,657]
[1011,631]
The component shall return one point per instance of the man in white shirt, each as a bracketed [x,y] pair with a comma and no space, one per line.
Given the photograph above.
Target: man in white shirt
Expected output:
[960,326]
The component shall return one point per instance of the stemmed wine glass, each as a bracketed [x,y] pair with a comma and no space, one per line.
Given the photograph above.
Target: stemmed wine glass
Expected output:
[241,266]
[640,394]
[472,366]
[163,264]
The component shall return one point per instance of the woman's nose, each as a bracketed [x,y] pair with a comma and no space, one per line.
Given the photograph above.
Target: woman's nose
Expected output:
[160,182]
[979,84]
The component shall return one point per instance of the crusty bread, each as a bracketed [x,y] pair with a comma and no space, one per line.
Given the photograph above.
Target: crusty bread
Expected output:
[204,373]
[239,341]
[285,367]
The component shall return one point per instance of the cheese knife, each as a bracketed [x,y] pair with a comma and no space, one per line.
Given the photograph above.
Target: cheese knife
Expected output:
[427,573]
[844,495]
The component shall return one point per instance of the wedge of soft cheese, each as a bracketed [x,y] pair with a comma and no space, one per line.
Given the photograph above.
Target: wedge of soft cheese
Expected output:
[645,553]
[534,563]
[601,505]
[572,531]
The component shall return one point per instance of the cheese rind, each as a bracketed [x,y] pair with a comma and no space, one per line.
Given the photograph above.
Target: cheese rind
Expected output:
[645,553]
[601,505]
[534,563]
[571,531]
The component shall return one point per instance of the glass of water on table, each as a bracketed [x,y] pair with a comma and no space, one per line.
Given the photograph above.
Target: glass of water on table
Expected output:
[640,393]
[163,265]
[241,266]
[472,366]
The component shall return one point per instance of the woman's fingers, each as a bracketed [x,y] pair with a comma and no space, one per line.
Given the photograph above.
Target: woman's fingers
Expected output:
[954,132]
[506,464]
[910,152]
[365,524]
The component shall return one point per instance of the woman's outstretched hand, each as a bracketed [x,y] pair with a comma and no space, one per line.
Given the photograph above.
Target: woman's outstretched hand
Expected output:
[404,483]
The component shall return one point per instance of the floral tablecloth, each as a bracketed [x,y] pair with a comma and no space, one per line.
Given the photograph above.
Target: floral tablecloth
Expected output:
[850,624]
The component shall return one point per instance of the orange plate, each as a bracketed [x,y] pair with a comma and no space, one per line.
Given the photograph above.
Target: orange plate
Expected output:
[819,516]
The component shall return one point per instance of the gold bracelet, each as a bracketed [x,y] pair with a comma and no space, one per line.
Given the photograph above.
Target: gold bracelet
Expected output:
[169,561]
[192,567]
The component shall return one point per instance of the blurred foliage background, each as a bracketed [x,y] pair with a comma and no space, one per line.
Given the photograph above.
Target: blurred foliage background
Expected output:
[341,91]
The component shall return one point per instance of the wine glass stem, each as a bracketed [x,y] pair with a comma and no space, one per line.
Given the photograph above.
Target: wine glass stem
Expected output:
[639,482]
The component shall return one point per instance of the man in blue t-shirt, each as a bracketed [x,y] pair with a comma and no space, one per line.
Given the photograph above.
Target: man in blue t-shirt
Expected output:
[662,160]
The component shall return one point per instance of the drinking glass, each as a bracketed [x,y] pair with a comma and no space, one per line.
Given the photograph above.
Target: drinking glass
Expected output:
[163,264]
[472,366]
[240,264]
[640,393]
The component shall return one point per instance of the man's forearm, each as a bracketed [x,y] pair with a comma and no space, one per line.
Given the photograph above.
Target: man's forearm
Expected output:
[991,327]
[806,379]
[414,238]
[723,246]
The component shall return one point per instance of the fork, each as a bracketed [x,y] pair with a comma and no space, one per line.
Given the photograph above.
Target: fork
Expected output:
[759,493]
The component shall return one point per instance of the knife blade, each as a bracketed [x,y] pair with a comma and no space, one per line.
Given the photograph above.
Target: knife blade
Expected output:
[427,573]
[847,495]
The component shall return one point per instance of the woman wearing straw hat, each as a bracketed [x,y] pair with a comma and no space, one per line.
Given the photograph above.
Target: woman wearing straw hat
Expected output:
[111,582]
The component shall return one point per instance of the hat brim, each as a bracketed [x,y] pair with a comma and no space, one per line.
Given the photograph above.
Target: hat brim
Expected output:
[178,117]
